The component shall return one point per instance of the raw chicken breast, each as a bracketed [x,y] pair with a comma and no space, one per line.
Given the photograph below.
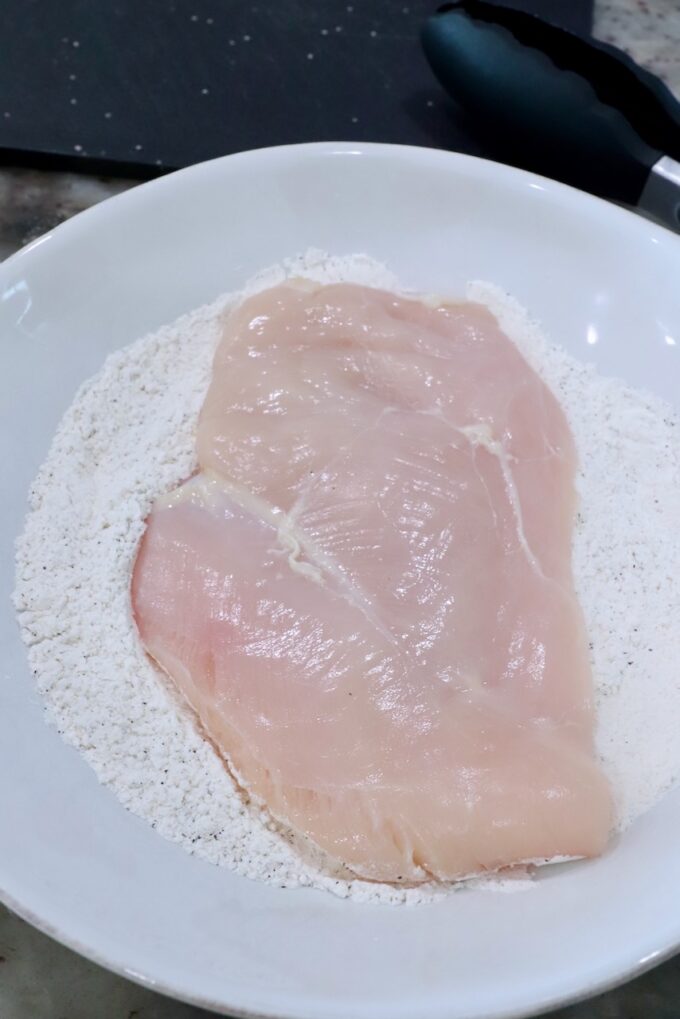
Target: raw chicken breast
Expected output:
[366,591]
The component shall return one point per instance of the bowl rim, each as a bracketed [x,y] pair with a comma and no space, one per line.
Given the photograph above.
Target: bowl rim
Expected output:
[488,168]
[646,964]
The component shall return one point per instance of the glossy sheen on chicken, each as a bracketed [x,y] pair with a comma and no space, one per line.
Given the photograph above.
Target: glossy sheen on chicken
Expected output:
[366,591]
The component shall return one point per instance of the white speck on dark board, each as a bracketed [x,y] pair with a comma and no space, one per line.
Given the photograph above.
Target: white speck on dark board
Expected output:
[72,77]
[355,120]
[7,115]
[430,102]
[232,42]
[324,31]
[138,148]
[73,101]
[205,91]
[373,34]
[78,148]
[75,44]
[108,115]
[310,56]
[338,28]
[246,38]
[210,21]
[194,17]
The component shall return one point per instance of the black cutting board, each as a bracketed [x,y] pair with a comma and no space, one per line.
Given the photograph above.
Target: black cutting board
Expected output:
[144,86]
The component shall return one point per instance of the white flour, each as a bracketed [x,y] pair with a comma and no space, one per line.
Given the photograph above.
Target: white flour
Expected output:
[129,436]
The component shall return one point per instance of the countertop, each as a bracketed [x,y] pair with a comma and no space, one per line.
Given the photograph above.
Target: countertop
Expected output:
[40,979]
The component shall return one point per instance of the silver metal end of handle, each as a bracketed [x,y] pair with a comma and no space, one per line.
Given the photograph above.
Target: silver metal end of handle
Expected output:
[660,197]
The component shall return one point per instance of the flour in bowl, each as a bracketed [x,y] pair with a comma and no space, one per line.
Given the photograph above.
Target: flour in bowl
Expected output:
[129,436]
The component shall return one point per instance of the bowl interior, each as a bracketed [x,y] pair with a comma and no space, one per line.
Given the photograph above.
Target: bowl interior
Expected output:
[604,284]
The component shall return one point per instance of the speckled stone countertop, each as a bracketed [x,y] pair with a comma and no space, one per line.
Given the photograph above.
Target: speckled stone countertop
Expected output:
[40,979]
[647,29]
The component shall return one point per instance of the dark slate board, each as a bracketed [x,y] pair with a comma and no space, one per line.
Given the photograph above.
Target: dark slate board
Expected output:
[144,86]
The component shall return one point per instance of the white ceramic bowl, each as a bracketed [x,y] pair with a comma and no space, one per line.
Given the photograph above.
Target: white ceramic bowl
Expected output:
[605,284]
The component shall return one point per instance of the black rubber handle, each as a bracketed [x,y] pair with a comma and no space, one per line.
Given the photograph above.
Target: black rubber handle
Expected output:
[578,111]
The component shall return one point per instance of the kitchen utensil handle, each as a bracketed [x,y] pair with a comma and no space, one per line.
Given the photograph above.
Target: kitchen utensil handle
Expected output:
[542,112]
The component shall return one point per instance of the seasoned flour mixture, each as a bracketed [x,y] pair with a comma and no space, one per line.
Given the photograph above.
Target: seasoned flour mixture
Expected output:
[130,435]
